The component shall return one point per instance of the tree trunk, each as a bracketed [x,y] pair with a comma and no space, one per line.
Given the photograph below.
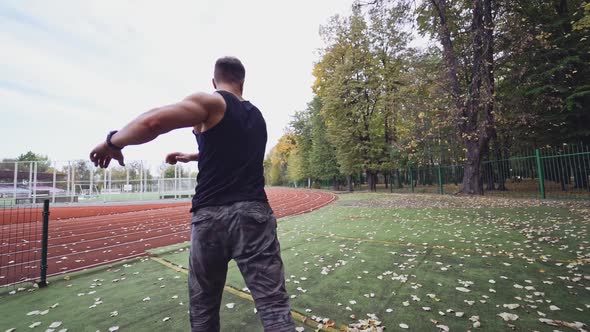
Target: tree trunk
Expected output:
[420,177]
[349,183]
[503,166]
[375,180]
[489,176]
[455,176]
[372,181]
[399,179]
[502,176]
[335,185]
[471,177]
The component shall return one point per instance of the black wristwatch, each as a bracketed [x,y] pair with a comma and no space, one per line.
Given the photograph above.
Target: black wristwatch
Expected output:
[110,144]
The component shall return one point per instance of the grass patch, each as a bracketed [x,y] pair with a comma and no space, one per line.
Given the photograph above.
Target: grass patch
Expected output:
[406,265]
[88,301]
[401,255]
[395,262]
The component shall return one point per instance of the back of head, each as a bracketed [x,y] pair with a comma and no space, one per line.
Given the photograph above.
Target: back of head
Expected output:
[229,70]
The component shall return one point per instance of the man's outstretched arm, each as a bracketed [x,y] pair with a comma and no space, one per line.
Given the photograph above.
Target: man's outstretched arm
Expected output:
[174,157]
[190,112]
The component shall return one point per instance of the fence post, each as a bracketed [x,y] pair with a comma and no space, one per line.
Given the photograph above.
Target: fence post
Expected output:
[411,179]
[34,201]
[104,185]
[15,180]
[43,281]
[541,174]
[91,171]
[30,183]
[440,181]
[73,187]
[53,183]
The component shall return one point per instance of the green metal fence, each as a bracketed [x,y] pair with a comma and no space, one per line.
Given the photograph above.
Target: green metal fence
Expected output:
[558,172]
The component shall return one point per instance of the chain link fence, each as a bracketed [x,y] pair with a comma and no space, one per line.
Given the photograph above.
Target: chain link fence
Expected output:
[77,181]
[23,243]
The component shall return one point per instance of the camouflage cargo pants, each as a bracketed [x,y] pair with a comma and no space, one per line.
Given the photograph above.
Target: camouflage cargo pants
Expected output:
[245,232]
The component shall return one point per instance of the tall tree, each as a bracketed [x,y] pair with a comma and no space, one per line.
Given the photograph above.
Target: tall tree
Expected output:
[322,158]
[544,77]
[295,166]
[43,162]
[356,80]
[426,129]
[278,159]
[301,126]
[473,102]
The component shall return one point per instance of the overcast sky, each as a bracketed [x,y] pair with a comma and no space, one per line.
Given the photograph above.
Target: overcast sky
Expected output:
[71,71]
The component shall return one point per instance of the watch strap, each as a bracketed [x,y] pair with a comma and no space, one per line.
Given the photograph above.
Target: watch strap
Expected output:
[110,144]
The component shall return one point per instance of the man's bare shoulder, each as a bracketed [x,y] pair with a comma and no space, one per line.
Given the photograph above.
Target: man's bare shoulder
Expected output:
[210,101]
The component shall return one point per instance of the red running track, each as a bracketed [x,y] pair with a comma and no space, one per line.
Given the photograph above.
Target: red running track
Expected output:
[84,237]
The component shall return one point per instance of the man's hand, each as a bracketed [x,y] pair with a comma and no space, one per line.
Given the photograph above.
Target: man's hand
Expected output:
[174,157]
[102,154]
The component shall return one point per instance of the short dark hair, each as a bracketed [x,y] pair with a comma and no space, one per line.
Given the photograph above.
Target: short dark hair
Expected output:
[229,70]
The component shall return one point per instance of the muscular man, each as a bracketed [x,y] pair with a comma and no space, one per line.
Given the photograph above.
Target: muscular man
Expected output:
[231,218]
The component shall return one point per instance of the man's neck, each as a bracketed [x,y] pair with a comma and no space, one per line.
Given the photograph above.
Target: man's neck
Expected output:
[231,88]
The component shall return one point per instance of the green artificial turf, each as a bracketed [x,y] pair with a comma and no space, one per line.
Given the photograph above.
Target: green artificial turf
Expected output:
[124,288]
[88,301]
[416,266]
[471,261]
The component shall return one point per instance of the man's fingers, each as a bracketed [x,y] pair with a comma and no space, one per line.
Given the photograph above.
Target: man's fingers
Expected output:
[94,158]
[102,155]
[118,156]
[120,159]
[104,161]
[171,158]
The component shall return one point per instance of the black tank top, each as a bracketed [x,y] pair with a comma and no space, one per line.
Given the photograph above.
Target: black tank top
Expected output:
[231,156]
